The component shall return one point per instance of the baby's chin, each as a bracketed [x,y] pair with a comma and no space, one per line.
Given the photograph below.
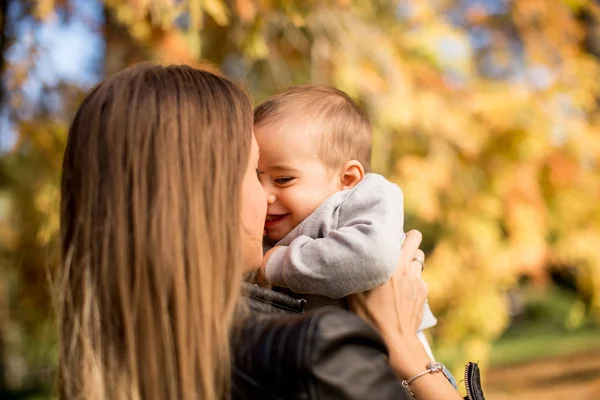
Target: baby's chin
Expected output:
[274,238]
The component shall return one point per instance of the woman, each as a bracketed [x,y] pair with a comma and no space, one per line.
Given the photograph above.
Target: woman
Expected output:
[162,214]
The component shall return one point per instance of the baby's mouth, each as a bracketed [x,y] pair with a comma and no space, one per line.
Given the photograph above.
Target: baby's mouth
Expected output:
[273,219]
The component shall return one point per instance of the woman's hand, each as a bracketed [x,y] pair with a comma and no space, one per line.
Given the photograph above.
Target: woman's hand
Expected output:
[396,307]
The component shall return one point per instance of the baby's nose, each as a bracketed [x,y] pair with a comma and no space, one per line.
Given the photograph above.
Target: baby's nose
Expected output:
[271,198]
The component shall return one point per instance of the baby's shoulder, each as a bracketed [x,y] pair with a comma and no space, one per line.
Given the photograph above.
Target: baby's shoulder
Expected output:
[372,181]
[373,189]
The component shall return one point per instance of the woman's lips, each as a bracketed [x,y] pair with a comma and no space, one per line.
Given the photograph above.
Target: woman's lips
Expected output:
[273,219]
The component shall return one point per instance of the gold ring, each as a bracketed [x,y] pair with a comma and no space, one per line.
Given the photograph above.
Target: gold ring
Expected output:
[420,262]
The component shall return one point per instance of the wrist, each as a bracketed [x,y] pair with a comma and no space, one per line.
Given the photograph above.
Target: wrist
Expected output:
[407,355]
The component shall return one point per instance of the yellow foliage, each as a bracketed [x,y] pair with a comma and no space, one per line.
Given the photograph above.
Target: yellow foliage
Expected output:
[501,172]
[44,8]
[46,202]
[217,10]
[246,9]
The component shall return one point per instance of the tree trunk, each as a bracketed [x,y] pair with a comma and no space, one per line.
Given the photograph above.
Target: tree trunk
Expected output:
[3,321]
[3,294]
[122,50]
[591,25]
[3,46]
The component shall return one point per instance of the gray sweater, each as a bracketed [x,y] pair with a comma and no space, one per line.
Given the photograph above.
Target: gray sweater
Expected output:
[349,244]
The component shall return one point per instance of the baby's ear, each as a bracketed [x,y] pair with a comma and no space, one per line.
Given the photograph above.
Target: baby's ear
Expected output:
[351,173]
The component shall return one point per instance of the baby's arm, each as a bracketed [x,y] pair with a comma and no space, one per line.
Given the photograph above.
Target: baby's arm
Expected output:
[359,256]
[260,277]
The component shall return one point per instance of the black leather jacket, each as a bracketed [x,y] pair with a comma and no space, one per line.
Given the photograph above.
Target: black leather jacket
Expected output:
[329,353]
[282,353]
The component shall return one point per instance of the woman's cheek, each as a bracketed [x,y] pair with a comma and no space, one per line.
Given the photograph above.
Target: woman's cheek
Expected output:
[261,203]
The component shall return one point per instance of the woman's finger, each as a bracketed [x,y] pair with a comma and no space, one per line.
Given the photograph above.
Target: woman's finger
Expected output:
[424,289]
[409,248]
[420,255]
[418,262]
[413,240]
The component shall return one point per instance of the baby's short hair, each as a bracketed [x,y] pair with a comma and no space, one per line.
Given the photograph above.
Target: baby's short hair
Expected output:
[343,128]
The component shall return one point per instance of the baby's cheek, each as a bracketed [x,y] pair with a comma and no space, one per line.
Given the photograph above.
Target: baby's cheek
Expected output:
[307,208]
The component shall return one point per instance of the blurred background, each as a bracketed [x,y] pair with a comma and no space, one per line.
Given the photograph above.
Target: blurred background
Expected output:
[486,113]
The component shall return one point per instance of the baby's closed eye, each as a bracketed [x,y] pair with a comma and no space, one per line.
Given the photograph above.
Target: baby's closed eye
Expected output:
[284,180]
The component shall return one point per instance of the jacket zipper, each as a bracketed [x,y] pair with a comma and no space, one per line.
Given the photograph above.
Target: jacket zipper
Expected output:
[467,377]
[302,304]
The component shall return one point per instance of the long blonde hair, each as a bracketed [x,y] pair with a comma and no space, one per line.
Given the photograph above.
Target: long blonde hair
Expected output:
[150,225]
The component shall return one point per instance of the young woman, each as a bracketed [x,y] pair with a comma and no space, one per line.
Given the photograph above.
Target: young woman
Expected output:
[162,215]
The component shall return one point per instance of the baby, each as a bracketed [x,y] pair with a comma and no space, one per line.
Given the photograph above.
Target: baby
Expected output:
[336,228]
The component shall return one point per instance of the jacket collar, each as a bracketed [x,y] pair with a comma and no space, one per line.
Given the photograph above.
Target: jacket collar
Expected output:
[262,300]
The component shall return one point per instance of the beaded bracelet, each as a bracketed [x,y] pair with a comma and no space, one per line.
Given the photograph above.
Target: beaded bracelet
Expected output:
[432,368]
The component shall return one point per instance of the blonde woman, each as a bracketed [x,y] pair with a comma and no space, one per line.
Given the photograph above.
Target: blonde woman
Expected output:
[162,215]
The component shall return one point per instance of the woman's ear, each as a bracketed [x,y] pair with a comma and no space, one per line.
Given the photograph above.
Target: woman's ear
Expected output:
[351,173]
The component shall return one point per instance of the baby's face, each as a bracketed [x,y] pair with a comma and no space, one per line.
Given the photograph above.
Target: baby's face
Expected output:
[295,180]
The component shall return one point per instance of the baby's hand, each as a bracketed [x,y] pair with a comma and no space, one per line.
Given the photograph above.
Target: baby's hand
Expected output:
[261,276]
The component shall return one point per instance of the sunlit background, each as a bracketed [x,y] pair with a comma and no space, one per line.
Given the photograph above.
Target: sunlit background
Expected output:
[486,113]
